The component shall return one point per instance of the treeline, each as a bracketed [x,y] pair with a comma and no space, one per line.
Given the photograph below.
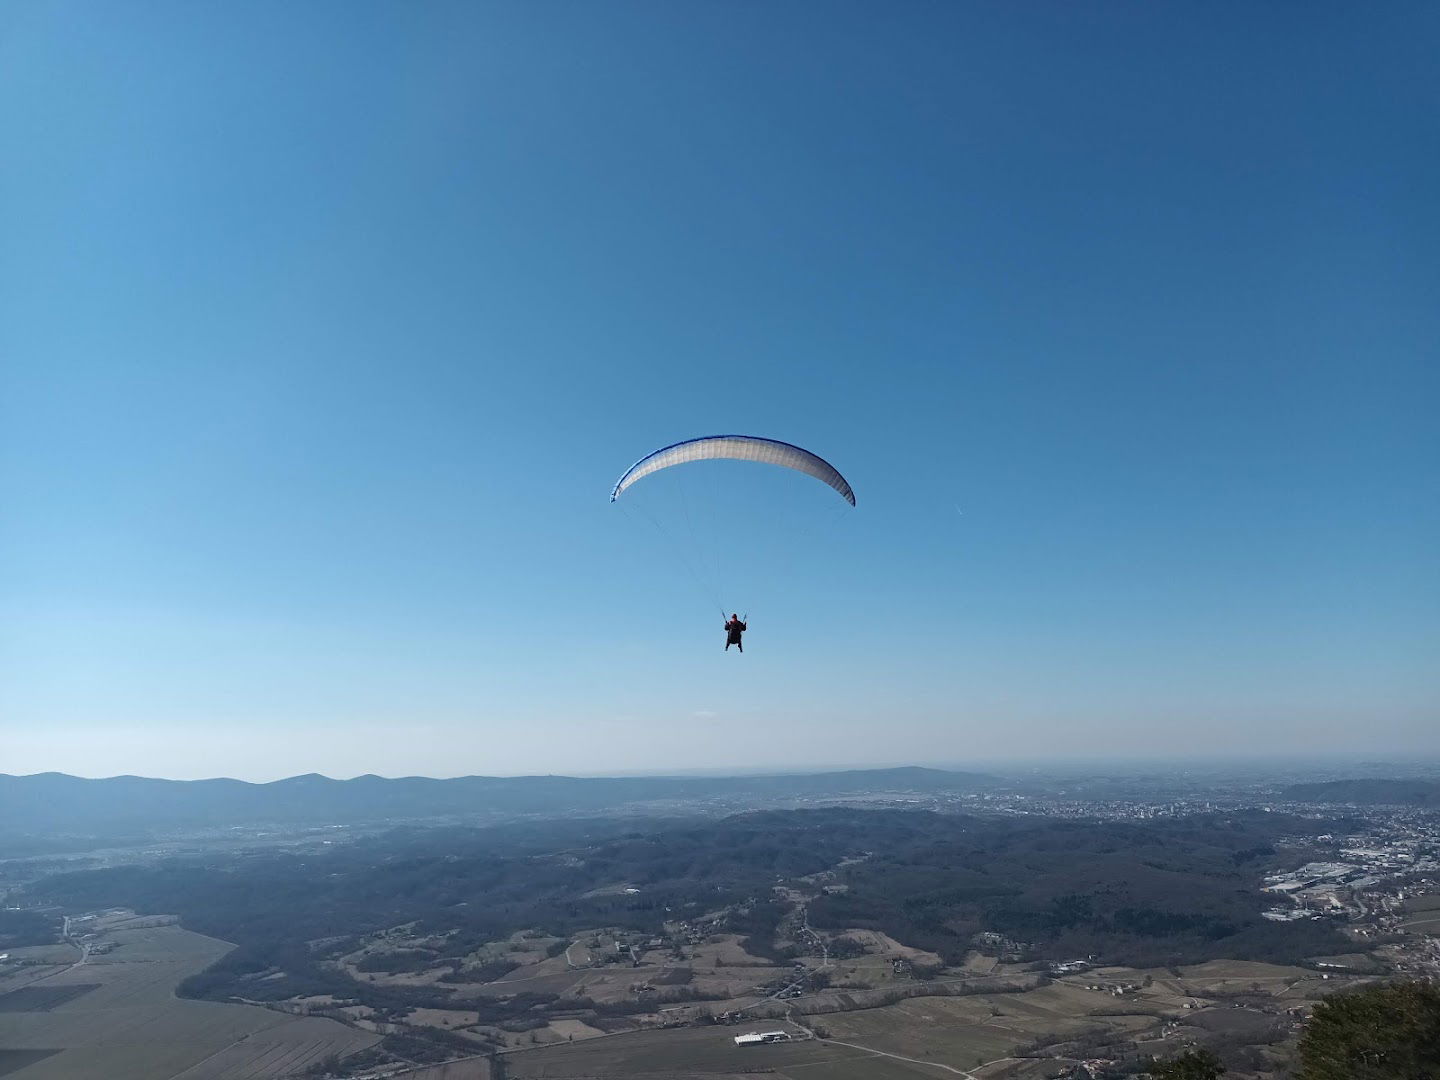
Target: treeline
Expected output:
[1387,1032]
[21,928]
[1170,892]
[757,922]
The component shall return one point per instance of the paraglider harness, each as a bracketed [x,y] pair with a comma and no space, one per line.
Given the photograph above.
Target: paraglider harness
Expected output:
[734,628]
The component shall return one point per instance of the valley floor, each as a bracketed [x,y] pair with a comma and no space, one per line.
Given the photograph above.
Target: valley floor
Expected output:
[107,1008]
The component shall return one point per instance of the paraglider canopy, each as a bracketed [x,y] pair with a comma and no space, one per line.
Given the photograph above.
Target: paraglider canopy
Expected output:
[737,448]
[711,527]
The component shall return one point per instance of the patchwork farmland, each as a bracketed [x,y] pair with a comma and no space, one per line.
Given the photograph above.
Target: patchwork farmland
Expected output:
[115,1014]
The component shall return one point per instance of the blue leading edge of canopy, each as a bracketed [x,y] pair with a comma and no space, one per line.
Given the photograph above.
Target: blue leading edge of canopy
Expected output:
[848,494]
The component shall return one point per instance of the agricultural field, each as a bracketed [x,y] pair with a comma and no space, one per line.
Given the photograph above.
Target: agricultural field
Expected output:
[1422,915]
[968,1031]
[116,1015]
[956,1031]
[423,960]
[717,971]
[711,1053]
[972,1020]
[876,966]
[12,1061]
[981,1033]
[469,1069]
[1274,979]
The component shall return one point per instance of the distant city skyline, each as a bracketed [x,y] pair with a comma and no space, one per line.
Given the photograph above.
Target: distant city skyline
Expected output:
[324,338]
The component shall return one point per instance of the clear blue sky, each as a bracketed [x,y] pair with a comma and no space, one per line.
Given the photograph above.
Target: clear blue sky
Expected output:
[325,329]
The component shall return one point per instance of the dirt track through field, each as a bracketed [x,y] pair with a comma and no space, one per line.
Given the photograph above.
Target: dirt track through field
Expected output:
[881,1053]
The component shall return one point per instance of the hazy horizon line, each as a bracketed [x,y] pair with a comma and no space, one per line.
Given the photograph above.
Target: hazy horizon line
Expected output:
[1370,759]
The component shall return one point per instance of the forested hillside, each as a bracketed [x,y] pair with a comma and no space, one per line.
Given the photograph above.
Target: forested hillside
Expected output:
[1160,892]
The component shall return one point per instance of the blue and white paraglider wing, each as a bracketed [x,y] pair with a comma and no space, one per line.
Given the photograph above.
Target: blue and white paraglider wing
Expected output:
[737,448]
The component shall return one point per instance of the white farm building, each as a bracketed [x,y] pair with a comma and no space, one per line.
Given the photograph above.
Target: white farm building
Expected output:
[755,1038]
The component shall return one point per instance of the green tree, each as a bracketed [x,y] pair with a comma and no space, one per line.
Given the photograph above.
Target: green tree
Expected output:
[1192,1065]
[1389,1032]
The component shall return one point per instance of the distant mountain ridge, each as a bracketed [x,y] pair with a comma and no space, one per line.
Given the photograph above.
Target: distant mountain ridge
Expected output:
[57,802]
[1369,792]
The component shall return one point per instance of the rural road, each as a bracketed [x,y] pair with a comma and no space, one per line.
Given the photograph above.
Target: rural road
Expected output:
[83,947]
[824,958]
[824,949]
[84,953]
